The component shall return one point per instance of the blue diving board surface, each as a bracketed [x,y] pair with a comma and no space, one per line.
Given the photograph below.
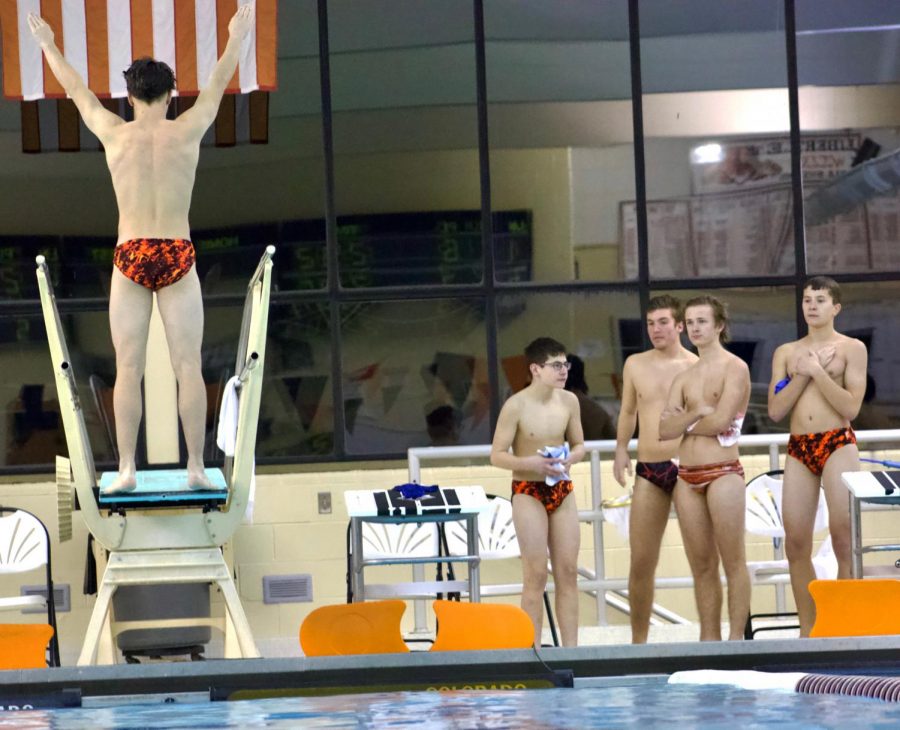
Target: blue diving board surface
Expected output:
[164,488]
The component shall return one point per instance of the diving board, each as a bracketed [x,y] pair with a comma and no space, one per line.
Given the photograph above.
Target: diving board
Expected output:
[167,545]
[164,488]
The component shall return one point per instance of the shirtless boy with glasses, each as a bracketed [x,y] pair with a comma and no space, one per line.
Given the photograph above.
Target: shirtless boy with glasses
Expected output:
[706,406]
[153,162]
[820,380]
[647,378]
[544,514]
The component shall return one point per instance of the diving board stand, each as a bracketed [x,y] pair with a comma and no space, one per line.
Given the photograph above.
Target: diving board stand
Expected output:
[874,487]
[163,545]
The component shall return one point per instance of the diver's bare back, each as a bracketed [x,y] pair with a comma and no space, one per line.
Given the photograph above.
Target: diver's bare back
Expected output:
[652,375]
[812,413]
[540,424]
[153,164]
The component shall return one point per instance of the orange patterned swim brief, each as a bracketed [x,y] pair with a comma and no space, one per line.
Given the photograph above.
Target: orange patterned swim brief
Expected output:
[154,262]
[700,476]
[550,497]
[814,449]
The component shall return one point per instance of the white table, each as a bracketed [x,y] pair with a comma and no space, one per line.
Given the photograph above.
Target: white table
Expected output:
[451,504]
[877,487]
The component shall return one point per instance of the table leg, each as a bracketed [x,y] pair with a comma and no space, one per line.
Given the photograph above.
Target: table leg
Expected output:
[356,557]
[474,565]
[856,566]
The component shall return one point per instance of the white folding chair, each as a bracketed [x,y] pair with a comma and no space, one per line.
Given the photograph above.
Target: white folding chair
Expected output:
[390,540]
[25,547]
[763,517]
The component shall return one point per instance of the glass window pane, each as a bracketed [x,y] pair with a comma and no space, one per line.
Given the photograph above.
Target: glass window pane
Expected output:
[301,260]
[295,415]
[295,412]
[17,267]
[227,257]
[717,140]
[869,313]
[761,319]
[396,249]
[250,196]
[415,374]
[559,90]
[849,114]
[32,424]
[406,159]
[601,328]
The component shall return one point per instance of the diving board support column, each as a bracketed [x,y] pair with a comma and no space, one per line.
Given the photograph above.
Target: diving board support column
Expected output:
[106,648]
[145,567]
[160,395]
[231,647]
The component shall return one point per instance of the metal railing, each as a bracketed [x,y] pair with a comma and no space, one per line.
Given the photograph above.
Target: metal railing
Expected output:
[596,582]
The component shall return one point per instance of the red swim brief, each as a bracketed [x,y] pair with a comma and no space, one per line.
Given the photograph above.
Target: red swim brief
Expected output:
[700,476]
[154,262]
[814,449]
[550,497]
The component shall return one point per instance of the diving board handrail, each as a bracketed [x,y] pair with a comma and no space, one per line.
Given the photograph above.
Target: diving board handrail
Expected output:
[262,273]
[108,532]
[249,367]
[80,455]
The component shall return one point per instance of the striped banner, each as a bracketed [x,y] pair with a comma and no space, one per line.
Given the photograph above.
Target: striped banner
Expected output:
[100,39]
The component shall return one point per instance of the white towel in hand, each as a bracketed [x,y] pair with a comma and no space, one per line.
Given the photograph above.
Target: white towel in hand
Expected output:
[556,452]
[226,436]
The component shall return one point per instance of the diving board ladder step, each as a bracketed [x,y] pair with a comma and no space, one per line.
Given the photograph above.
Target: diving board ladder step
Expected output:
[147,567]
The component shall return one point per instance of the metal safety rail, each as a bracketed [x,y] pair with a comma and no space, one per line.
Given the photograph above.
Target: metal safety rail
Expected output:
[596,582]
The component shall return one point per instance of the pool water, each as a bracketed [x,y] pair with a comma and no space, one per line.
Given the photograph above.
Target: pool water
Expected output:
[641,706]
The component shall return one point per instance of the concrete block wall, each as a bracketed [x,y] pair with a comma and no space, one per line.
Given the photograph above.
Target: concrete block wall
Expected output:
[289,536]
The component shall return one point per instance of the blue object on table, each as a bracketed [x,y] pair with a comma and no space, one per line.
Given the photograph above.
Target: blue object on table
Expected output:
[781,385]
[883,462]
[412,490]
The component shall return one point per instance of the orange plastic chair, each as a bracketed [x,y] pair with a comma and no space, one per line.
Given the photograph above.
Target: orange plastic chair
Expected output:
[371,627]
[856,607]
[466,626]
[24,646]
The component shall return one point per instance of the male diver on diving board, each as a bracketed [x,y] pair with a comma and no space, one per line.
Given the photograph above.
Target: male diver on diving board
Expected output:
[153,162]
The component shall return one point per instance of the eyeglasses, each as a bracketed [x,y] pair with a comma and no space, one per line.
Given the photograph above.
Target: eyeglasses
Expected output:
[558,365]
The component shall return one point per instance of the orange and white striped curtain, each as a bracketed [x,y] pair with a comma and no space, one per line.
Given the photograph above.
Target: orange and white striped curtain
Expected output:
[100,38]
